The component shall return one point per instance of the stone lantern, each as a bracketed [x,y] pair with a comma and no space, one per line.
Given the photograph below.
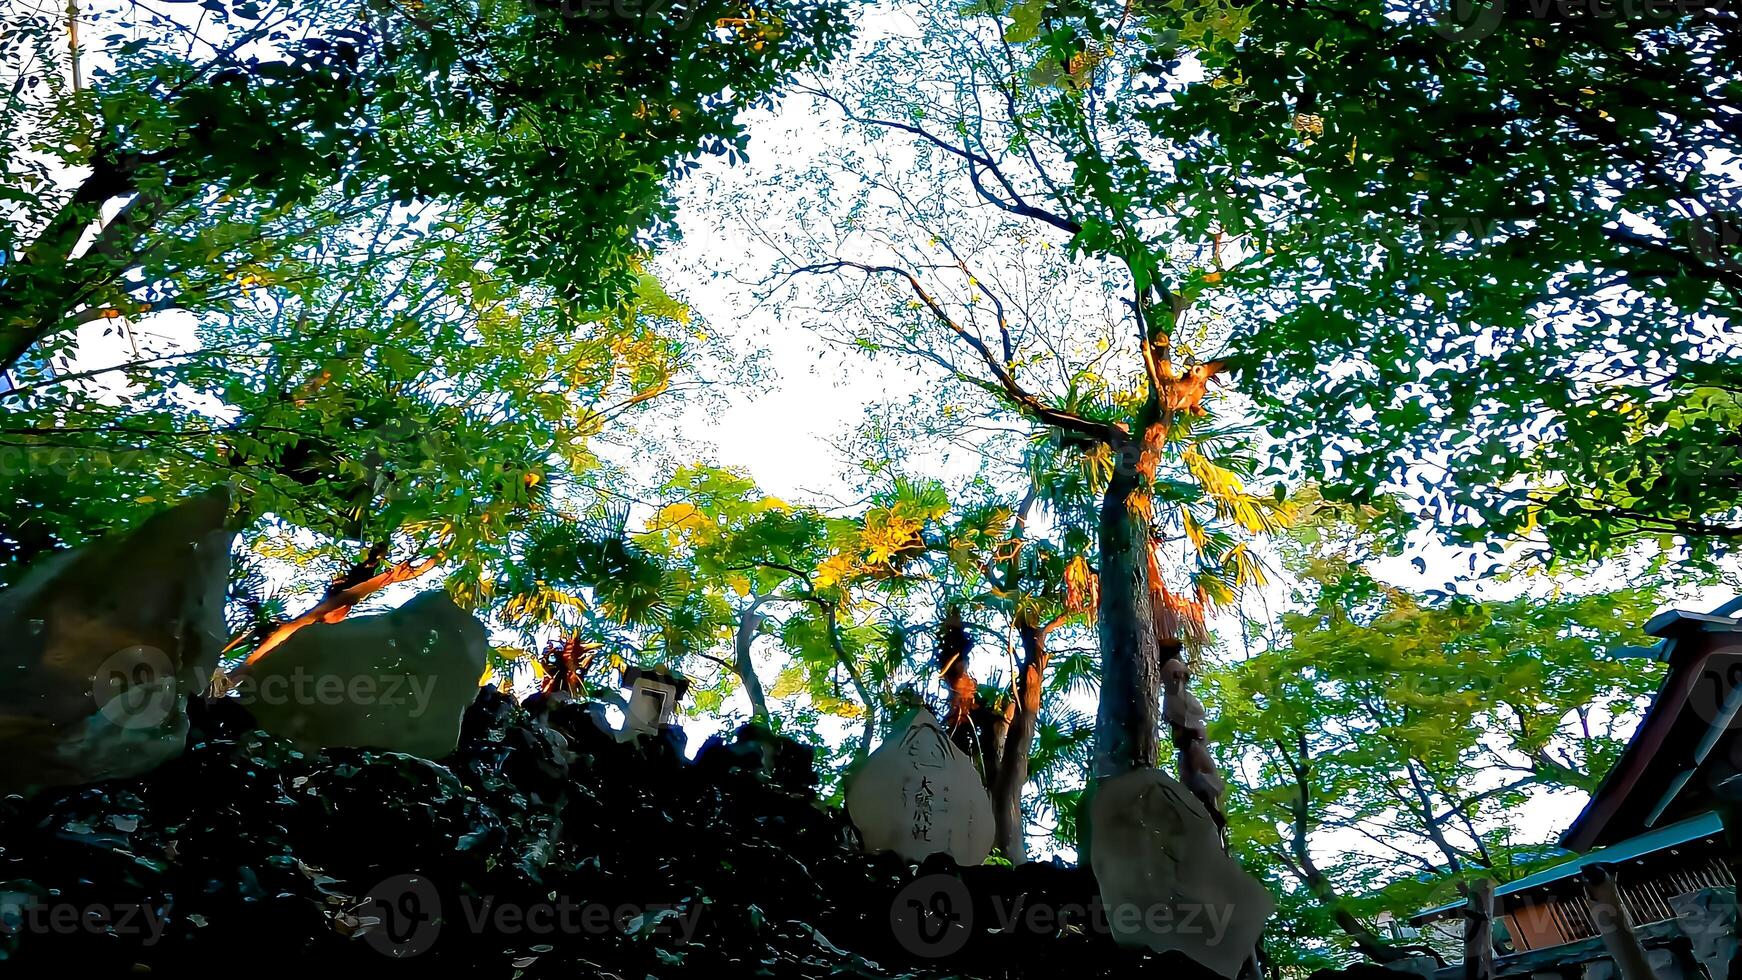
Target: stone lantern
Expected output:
[653,697]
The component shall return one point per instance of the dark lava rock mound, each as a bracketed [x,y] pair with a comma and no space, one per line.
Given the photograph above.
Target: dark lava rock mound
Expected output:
[536,850]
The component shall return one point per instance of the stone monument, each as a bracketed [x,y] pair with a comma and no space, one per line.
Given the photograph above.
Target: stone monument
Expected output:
[1164,878]
[653,697]
[919,795]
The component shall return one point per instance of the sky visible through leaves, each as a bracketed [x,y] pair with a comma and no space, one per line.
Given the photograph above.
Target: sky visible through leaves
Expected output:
[803,412]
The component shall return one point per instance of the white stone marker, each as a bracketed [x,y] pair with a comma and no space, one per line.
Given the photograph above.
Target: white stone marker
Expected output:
[919,795]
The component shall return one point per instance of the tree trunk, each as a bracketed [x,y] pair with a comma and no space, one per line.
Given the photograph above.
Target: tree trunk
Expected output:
[1367,942]
[960,721]
[749,622]
[48,284]
[1000,736]
[992,739]
[37,295]
[1127,724]
[1323,890]
[1609,914]
[1012,774]
[869,733]
[1479,932]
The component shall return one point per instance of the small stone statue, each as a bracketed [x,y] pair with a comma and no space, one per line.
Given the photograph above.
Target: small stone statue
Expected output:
[1180,707]
[1184,713]
[1200,774]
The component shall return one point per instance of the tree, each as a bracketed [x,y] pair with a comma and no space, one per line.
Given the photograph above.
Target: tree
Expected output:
[718,565]
[374,428]
[408,336]
[218,139]
[968,253]
[1417,728]
[1033,588]
[748,553]
[1520,305]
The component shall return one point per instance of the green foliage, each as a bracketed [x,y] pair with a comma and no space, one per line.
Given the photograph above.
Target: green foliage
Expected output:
[223,136]
[412,316]
[384,269]
[1032,287]
[1418,728]
[1519,304]
[416,402]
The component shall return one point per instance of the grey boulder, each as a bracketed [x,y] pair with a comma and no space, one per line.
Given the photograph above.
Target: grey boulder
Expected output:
[1165,881]
[399,681]
[102,645]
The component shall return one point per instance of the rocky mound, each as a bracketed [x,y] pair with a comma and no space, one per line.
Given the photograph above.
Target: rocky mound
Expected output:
[533,850]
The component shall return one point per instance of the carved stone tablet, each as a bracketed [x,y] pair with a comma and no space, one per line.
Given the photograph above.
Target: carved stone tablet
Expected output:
[919,795]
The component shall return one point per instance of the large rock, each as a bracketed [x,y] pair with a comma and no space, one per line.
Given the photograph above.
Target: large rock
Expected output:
[1164,878]
[102,645]
[919,795]
[398,681]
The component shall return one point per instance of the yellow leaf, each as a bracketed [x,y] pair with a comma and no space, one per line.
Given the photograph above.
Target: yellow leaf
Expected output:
[789,683]
[682,517]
